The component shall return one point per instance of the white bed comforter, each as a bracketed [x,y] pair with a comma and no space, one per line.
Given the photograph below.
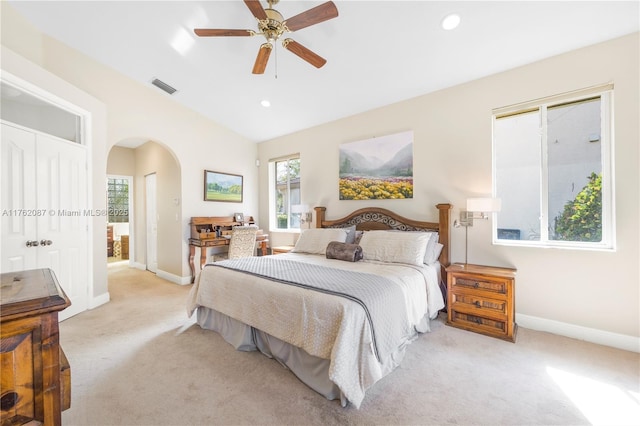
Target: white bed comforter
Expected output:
[324,325]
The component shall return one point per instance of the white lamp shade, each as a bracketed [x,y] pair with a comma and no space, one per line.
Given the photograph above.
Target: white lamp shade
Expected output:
[484,205]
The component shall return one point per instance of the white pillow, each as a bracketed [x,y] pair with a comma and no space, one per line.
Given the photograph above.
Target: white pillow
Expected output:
[432,257]
[431,246]
[394,246]
[316,240]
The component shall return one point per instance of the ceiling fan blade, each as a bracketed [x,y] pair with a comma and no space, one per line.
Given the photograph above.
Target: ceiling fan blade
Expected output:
[256,9]
[208,32]
[313,16]
[262,58]
[304,53]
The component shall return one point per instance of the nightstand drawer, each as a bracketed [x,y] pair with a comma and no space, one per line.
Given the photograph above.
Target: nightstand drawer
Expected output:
[480,283]
[467,301]
[494,327]
[481,299]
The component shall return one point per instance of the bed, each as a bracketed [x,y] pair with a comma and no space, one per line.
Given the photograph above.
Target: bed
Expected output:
[341,309]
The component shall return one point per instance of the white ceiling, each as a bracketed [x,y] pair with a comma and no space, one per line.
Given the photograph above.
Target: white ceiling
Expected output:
[378,52]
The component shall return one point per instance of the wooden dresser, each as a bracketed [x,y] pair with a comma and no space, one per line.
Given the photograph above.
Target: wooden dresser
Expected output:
[36,379]
[482,299]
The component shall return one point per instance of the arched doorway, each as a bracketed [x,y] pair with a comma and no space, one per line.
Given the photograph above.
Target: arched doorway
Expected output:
[139,158]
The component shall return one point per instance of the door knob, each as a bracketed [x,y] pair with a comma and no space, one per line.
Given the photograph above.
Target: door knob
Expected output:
[46,242]
[33,243]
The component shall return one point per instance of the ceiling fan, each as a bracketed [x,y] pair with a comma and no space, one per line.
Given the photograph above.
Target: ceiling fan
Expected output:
[272,26]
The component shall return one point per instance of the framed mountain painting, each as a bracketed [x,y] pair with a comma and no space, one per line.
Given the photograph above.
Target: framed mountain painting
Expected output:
[377,168]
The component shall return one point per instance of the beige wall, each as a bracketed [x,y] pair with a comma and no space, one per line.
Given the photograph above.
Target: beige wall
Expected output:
[143,112]
[154,158]
[583,291]
[121,161]
[150,158]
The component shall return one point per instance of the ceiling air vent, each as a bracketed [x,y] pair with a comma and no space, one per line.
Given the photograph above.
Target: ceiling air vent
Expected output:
[163,86]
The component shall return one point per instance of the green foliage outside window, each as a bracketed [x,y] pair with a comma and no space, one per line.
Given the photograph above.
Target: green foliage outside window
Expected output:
[581,219]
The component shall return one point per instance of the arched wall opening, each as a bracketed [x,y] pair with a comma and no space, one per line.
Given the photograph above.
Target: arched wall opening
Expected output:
[139,158]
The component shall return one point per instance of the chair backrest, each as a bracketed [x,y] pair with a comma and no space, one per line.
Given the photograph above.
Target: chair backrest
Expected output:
[243,241]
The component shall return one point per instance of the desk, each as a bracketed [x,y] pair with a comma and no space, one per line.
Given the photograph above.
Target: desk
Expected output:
[262,240]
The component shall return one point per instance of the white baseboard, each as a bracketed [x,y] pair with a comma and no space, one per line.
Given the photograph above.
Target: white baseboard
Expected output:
[601,337]
[173,278]
[137,265]
[185,280]
[99,300]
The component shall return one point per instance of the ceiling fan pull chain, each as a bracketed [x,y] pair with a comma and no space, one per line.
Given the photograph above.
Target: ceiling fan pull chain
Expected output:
[275,47]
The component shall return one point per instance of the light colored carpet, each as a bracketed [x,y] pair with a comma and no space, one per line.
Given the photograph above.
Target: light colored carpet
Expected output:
[139,360]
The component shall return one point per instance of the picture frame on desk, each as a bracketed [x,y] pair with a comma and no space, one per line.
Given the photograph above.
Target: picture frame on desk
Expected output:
[238,217]
[224,187]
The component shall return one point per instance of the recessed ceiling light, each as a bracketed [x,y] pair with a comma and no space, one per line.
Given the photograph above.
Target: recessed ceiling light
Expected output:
[182,42]
[451,21]
[265,103]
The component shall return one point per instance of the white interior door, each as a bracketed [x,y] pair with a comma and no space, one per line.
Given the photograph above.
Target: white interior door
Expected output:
[62,188]
[19,212]
[45,210]
[152,223]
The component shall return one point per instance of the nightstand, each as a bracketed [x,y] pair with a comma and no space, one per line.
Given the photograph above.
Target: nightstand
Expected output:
[482,299]
[281,249]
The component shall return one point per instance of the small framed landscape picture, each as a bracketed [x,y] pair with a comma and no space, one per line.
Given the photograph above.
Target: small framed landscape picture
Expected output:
[222,187]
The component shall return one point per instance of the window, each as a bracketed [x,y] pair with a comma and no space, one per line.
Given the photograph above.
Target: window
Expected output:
[552,171]
[118,200]
[286,190]
[32,111]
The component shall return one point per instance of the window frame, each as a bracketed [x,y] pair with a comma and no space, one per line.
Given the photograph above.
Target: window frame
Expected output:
[606,95]
[273,194]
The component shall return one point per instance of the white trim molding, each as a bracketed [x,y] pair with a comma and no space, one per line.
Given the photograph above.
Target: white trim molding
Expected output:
[600,337]
[173,278]
[100,300]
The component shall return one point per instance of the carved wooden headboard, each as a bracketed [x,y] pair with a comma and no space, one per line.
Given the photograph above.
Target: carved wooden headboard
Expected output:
[372,218]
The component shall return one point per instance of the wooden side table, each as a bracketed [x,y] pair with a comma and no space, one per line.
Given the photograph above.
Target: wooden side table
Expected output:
[482,299]
[36,379]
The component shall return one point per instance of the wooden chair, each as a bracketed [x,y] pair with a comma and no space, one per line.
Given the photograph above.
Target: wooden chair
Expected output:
[243,241]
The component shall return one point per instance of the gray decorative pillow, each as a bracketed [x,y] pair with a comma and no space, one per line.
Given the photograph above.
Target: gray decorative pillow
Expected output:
[351,234]
[344,251]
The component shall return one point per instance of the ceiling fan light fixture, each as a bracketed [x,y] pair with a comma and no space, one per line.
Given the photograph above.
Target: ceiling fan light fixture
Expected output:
[273,26]
[450,21]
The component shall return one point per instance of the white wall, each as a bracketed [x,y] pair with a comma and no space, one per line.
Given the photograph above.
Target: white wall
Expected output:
[582,290]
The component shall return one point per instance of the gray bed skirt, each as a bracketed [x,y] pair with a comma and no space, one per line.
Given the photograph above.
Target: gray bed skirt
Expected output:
[311,370]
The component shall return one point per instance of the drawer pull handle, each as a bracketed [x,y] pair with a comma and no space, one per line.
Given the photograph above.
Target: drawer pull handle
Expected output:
[479,320]
[478,304]
[476,285]
[9,400]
